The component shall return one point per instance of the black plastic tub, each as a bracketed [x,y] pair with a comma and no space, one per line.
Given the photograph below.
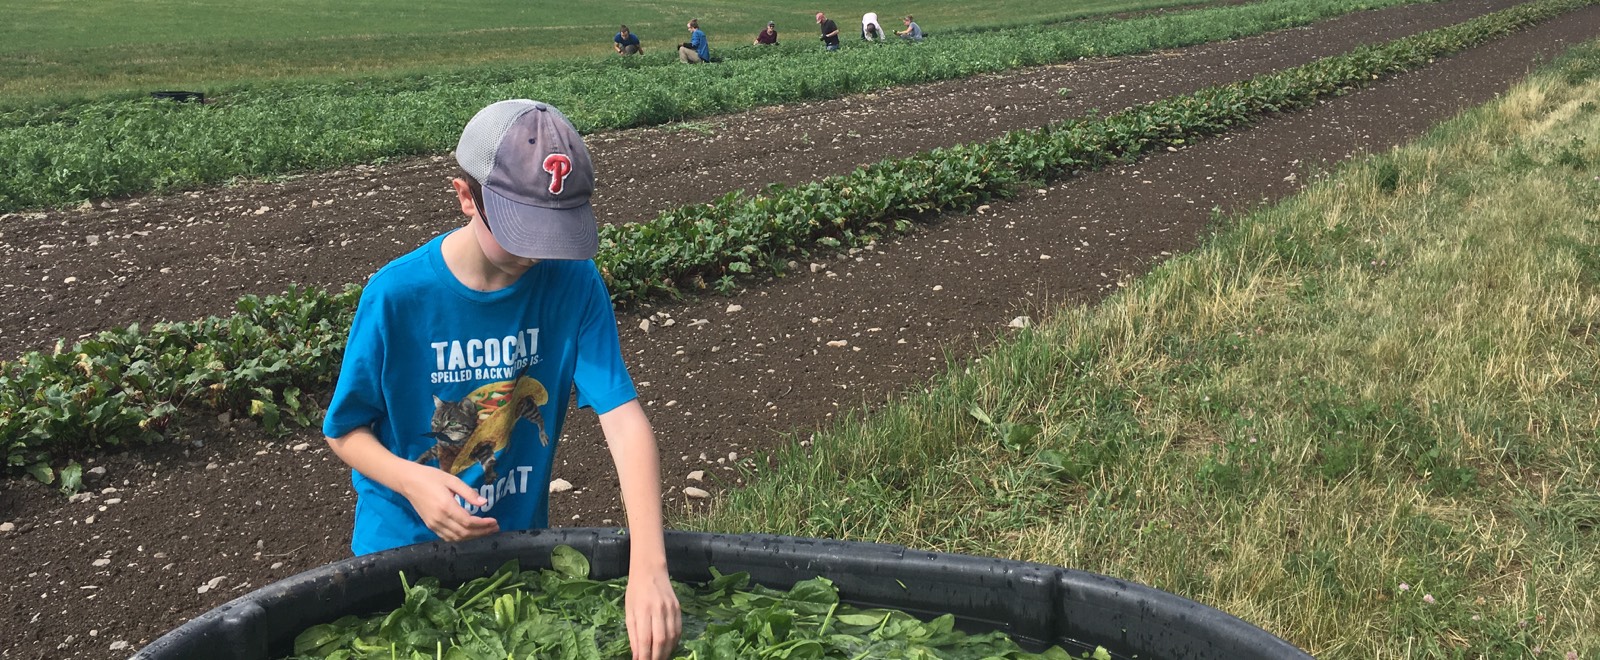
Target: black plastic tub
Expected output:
[1036,604]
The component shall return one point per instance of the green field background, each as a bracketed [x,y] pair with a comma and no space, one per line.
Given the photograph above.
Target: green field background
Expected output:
[55,50]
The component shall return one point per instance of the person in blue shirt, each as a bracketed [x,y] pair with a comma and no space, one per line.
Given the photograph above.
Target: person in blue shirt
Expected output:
[696,50]
[627,43]
[463,355]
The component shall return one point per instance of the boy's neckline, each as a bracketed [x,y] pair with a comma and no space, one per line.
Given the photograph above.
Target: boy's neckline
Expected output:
[469,270]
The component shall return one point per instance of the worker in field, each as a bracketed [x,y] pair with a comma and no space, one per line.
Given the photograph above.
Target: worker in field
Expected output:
[463,357]
[626,42]
[870,29]
[768,36]
[830,32]
[912,33]
[696,50]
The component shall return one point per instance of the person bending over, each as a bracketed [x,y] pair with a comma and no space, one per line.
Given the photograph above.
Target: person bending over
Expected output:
[626,43]
[870,29]
[463,356]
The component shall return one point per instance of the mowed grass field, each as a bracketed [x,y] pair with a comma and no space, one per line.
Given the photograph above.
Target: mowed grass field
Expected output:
[53,51]
[1365,419]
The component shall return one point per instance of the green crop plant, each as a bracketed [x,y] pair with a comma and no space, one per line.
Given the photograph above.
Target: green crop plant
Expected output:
[126,386]
[58,155]
[560,613]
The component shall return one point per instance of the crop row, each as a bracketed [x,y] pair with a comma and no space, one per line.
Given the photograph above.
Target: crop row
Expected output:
[130,385]
[708,245]
[125,147]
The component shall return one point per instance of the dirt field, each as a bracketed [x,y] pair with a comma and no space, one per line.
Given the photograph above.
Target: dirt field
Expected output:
[230,510]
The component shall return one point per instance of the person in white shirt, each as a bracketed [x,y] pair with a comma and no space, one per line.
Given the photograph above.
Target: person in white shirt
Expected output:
[870,29]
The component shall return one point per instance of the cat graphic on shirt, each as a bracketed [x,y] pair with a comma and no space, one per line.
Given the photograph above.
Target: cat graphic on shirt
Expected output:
[477,428]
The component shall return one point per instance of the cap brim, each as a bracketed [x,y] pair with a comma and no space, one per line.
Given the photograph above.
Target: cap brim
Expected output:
[537,232]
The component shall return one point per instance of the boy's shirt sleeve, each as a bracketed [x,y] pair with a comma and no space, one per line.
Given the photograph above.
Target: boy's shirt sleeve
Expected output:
[600,375]
[358,395]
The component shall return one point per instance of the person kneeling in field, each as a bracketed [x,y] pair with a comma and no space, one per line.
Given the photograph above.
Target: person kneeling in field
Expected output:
[627,43]
[913,32]
[457,373]
[696,50]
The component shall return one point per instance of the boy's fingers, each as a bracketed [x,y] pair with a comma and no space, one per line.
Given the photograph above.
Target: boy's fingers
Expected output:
[636,644]
[674,629]
[471,526]
[466,492]
[467,523]
[674,624]
[447,530]
[663,639]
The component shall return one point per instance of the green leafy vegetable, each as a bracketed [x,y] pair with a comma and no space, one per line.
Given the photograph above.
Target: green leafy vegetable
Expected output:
[561,614]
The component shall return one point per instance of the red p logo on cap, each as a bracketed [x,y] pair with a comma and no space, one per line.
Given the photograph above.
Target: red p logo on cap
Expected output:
[559,166]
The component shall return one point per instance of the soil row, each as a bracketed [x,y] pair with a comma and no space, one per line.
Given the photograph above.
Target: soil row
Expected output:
[84,270]
[192,525]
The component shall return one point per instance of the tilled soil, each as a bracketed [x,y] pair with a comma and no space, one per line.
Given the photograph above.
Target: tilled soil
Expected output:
[227,510]
[82,270]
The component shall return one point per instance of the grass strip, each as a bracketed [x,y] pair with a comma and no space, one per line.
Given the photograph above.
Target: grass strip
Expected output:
[1364,419]
[136,146]
[126,386]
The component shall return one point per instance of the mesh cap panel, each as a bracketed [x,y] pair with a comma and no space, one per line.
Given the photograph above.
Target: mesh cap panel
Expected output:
[481,137]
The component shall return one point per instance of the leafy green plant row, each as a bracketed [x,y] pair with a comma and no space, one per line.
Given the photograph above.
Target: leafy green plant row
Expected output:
[708,245]
[126,147]
[130,386]
[561,613]
[127,386]
[41,88]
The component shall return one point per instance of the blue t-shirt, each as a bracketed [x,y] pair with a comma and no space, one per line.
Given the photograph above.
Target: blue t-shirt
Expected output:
[475,383]
[698,40]
[632,40]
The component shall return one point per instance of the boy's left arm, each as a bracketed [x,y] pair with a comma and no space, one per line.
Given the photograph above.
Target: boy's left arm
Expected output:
[653,617]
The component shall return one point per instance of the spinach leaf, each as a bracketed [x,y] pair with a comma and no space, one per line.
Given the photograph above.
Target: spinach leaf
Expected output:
[562,614]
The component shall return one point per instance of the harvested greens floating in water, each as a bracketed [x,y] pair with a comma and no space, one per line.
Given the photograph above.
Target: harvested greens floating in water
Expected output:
[562,614]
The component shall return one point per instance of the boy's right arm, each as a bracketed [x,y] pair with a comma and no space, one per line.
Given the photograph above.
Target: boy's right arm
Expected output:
[431,491]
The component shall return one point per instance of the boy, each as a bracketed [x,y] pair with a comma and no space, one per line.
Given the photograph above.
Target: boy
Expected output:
[455,379]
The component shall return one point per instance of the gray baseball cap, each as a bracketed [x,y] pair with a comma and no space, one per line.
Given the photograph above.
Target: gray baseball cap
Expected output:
[537,179]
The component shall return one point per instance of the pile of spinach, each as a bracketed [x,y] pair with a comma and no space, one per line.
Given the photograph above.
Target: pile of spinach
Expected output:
[562,614]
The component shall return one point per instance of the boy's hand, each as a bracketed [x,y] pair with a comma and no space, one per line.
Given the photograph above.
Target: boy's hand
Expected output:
[654,620]
[432,492]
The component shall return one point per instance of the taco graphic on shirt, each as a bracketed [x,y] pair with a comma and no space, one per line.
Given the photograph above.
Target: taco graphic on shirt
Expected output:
[477,428]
